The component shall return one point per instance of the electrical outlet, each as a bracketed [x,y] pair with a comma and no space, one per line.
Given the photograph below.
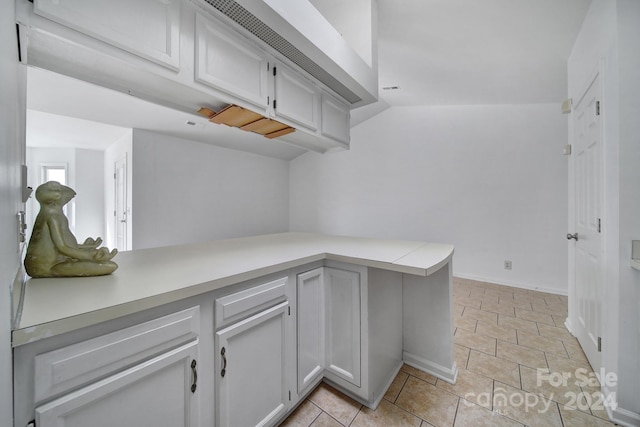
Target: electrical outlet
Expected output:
[507,265]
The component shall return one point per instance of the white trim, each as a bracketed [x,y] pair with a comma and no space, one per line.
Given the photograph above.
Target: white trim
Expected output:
[449,375]
[512,284]
[619,415]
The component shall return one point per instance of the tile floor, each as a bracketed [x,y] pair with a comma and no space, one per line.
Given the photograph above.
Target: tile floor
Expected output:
[518,366]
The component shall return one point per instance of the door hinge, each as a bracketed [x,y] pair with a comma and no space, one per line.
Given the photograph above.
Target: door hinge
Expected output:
[600,344]
[31,423]
[274,71]
[274,104]
[289,310]
[289,395]
[599,226]
[268,100]
[597,108]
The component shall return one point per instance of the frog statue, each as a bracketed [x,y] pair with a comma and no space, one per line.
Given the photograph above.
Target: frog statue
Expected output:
[53,250]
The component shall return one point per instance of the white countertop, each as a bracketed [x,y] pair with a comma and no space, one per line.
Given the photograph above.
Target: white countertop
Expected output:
[151,277]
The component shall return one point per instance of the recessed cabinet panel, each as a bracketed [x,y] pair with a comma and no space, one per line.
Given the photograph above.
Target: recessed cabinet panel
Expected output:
[296,98]
[310,310]
[335,119]
[147,28]
[153,393]
[224,61]
[343,328]
[251,379]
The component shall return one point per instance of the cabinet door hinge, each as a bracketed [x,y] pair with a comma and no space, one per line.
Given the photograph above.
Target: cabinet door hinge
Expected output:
[31,423]
[274,71]
[274,104]
[289,395]
[600,344]
[599,226]
[289,310]
[597,108]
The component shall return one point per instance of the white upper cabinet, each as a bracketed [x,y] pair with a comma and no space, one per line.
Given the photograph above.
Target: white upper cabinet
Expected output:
[147,28]
[335,118]
[226,62]
[296,98]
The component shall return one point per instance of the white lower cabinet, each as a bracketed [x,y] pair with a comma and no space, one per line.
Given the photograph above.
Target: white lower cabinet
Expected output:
[251,380]
[310,332]
[158,392]
[343,324]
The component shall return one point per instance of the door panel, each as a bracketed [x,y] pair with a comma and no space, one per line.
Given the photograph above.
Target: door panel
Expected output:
[588,213]
[253,389]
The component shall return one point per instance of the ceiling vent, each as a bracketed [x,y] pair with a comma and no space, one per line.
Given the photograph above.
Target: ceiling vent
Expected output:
[255,26]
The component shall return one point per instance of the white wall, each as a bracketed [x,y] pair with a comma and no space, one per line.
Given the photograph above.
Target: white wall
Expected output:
[489,179]
[185,191]
[12,137]
[85,175]
[90,212]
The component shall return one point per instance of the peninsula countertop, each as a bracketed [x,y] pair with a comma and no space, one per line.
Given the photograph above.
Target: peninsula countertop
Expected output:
[149,278]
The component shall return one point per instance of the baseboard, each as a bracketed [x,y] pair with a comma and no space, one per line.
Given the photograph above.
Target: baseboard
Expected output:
[620,415]
[513,284]
[449,375]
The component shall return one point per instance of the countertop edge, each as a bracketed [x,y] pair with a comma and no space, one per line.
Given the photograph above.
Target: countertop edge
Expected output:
[23,335]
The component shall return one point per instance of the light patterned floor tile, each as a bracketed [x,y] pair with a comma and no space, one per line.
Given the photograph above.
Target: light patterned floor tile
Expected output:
[418,373]
[465,323]
[548,345]
[475,341]
[521,355]
[394,389]
[517,323]
[527,408]
[493,367]
[461,355]
[574,418]
[471,386]
[325,420]
[304,415]
[534,316]
[486,316]
[470,415]
[555,332]
[336,404]
[503,333]
[385,415]
[498,308]
[428,402]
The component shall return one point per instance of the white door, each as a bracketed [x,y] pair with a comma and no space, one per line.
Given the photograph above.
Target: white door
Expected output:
[588,189]
[251,382]
[154,393]
[121,208]
[310,314]
[343,305]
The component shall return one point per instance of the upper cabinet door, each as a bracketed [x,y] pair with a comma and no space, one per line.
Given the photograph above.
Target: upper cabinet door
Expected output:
[147,28]
[335,119]
[226,62]
[297,99]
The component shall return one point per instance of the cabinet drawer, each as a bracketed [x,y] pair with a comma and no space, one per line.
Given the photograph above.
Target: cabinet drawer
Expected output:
[240,305]
[78,364]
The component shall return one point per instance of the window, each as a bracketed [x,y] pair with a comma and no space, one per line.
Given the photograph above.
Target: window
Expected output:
[54,173]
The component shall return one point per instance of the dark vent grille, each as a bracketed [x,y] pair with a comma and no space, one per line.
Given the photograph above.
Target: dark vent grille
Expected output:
[248,21]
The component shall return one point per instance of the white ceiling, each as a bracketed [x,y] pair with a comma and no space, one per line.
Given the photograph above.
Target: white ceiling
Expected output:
[439,52]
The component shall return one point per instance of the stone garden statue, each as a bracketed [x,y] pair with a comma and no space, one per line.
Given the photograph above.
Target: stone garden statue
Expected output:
[53,250]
